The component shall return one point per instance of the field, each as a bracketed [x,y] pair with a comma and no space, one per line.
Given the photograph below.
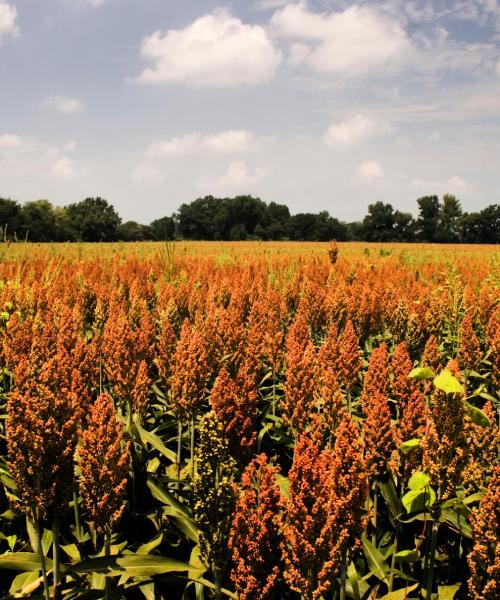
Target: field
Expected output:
[249,420]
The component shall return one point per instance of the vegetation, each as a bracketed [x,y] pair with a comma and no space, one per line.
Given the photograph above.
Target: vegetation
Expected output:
[248,218]
[213,420]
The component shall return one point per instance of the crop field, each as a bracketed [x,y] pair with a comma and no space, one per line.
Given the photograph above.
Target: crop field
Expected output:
[249,420]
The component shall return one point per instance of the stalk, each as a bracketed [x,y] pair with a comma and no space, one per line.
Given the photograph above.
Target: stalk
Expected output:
[179,453]
[107,553]
[430,575]
[76,509]
[56,557]
[218,584]
[375,511]
[343,578]
[393,561]
[41,555]
[192,446]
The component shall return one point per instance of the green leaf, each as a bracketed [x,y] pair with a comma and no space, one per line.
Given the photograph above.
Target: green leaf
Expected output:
[477,415]
[400,594]
[353,578]
[196,567]
[23,561]
[447,383]
[147,437]
[284,485]
[408,555]
[410,445]
[24,582]
[418,500]
[133,565]
[390,495]
[456,521]
[150,546]
[73,552]
[419,480]
[375,560]
[421,373]
[447,592]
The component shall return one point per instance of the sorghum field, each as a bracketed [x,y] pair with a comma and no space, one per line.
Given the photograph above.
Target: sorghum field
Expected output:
[252,421]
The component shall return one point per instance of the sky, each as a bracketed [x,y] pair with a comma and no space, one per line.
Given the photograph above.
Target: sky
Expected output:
[317,104]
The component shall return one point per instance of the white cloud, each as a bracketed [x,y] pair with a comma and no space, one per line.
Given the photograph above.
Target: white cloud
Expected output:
[237,179]
[370,172]
[24,159]
[497,69]
[148,172]
[238,140]
[63,104]
[357,40]
[269,4]
[8,18]
[215,50]
[454,184]
[354,130]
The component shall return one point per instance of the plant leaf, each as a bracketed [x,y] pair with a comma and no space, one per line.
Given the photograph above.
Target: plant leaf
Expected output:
[132,565]
[448,383]
[421,373]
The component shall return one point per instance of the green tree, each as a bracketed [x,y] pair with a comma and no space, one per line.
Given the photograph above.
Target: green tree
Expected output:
[163,229]
[39,221]
[378,224]
[11,222]
[404,227]
[131,231]
[94,220]
[451,211]
[428,220]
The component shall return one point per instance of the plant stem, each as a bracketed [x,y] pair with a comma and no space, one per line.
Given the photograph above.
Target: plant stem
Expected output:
[76,509]
[56,554]
[343,578]
[393,561]
[375,511]
[36,523]
[430,575]
[107,553]
[179,453]
[192,431]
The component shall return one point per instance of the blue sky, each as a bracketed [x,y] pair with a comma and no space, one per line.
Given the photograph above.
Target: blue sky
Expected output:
[319,104]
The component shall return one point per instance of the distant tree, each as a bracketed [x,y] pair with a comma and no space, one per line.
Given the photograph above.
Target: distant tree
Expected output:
[197,220]
[378,224]
[39,221]
[490,224]
[404,227]
[163,229]
[450,213]
[428,220]
[131,231]
[64,231]
[11,222]
[94,220]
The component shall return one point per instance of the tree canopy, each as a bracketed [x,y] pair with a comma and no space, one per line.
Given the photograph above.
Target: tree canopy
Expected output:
[94,219]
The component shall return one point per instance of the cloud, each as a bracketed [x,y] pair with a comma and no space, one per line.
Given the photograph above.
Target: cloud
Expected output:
[148,172]
[63,104]
[237,179]
[370,172]
[29,159]
[8,18]
[269,4]
[354,130]
[216,50]
[454,184]
[355,41]
[238,140]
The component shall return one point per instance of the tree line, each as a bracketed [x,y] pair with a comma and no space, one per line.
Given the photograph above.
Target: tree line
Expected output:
[248,218]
